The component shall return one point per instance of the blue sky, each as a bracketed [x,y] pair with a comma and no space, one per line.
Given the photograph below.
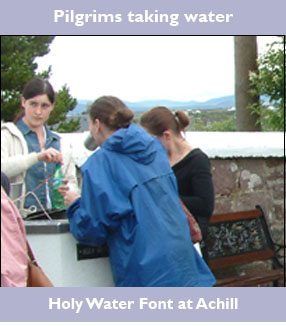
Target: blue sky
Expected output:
[136,68]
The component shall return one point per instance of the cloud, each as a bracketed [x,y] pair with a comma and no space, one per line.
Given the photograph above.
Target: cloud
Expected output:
[143,67]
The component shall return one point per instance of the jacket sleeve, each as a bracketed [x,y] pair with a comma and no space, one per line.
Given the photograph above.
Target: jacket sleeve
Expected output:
[14,161]
[98,213]
[85,228]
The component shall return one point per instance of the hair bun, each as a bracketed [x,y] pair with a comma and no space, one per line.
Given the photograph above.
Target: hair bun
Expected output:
[182,119]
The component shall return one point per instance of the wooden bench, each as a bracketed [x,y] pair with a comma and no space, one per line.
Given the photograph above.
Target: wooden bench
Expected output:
[237,239]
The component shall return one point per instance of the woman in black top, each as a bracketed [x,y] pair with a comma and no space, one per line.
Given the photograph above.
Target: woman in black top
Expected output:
[190,165]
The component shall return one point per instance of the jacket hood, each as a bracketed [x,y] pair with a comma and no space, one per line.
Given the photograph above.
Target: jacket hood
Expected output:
[12,128]
[134,142]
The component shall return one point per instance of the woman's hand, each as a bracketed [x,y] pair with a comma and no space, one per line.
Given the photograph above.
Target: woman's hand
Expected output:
[70,197]
[64,188]
[50,155]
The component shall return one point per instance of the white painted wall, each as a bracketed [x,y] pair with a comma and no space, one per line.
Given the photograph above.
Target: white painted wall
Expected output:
[214,144]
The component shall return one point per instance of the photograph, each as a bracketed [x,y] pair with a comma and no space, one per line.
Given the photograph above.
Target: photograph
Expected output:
[159,164]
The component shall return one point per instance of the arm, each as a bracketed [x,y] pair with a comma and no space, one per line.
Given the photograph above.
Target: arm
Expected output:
[196,189]
[96,214]
[85,228]
[13,160]
[85,214]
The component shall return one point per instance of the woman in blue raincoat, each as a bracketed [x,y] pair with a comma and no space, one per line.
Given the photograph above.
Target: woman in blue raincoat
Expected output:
[129,201]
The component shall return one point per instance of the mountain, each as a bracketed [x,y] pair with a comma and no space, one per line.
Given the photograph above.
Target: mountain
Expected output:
[224,102]
[81,107]
[216,103]
[220,102]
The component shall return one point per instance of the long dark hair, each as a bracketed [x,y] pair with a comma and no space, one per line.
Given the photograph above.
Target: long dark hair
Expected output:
[111,111]
[35,87]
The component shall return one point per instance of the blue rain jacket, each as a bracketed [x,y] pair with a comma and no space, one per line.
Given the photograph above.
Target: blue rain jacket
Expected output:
[130,201]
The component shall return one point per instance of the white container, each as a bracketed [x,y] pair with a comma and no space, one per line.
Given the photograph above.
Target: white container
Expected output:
[56,251]
[16,192]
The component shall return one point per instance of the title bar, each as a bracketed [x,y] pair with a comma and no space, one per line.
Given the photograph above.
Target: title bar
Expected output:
[149,17]
[144,304]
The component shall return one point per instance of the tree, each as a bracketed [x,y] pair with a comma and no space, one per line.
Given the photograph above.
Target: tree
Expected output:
[64,103]
[269,82]
[17,67]
[245,48]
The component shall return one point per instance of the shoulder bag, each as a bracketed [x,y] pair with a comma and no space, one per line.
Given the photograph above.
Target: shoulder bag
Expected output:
[36,276]
[195,229]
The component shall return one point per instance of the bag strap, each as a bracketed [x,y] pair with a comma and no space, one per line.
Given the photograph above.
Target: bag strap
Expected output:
[31,254]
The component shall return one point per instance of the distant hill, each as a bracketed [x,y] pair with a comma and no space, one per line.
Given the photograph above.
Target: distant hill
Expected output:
[81,107]
[216,103]
[224,102]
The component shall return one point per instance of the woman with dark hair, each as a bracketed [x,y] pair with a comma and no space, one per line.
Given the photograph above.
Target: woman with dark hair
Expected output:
[30,150]
[190,165]
[130,202]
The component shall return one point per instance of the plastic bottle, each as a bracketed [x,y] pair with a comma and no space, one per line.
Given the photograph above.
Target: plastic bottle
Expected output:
[58,199]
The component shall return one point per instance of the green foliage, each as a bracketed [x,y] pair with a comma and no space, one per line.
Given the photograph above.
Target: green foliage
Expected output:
[69,126]
[64,104]
[269,82]
[17,67]
[198,125]
[136,120]
[224,125]
[212,120]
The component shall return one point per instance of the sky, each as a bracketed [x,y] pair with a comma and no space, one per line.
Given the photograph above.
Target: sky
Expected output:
[137,68]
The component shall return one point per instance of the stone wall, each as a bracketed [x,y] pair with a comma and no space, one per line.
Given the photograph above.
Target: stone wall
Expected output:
[242,183]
